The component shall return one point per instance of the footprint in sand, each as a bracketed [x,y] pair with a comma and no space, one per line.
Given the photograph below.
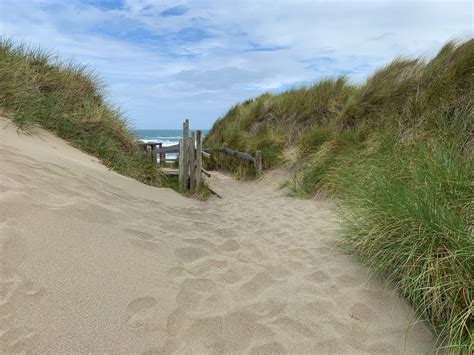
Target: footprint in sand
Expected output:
[193,293]
[229,277]
[299,252]
[208,267]
[362,312]
[295,327]
[320,309]
[139,234]
[278,272]
[141,304]
[273,348]
[175,322]
[142,314]
[257,284]
[143,240]
[190,254]
[177,271]
[230,245]
[267,309]
[318,276]
[231,333]
[200,242]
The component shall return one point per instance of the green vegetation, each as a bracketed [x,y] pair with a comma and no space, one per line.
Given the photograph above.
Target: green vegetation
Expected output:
[272,122]
[67,99]
[397,152]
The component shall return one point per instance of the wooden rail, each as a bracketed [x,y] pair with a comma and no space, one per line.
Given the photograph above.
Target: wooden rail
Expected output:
[257,160]
[240,155]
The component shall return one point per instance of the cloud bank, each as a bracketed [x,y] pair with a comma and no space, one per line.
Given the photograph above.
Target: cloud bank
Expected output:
[168,60]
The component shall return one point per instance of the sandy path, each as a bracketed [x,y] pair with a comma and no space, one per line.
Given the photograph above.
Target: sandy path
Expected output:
[92,261]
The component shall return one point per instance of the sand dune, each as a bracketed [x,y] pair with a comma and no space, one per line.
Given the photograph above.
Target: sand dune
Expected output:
[92,261]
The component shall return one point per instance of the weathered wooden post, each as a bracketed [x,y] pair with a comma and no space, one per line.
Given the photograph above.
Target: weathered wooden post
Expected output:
[198,159]
[258,162]
[192,162]
[184,155]
[181,163]
[162,154]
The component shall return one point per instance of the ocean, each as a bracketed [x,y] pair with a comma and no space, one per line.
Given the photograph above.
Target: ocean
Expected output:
[166,136]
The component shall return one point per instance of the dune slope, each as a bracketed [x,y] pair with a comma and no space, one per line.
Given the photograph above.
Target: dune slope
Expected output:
[92,261]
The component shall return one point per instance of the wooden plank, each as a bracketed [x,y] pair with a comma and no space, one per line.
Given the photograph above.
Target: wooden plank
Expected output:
[198,159]
[205,172]
[167,149]
[170,149]
[205,154]
[185,151]
[258,162]
[214,192]
[170,172]
[154,159]
[192,162]
[162,155]
[181,163]
[240,155]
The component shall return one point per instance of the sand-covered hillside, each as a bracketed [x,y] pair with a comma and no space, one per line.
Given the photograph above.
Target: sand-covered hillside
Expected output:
[92,261]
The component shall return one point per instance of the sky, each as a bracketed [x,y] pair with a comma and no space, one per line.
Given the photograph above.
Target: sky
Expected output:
[163,61]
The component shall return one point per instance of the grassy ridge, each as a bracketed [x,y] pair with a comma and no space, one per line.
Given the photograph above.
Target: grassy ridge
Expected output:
[67,99]
[272,122]
[398,153]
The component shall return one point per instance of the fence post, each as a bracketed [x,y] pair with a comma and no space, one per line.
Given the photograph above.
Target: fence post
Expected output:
[192,162]
[153,154]
[258,162]
[162,155]
[185,156]
[181,163]
[198,158]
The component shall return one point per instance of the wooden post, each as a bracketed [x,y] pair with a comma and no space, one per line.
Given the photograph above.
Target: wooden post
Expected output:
[258,162]
[181,163]
[192,162]
[153,154]
[185,151]
[162,155]
[198,158]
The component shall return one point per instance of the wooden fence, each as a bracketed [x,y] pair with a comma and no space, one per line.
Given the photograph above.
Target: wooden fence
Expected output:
[190,154]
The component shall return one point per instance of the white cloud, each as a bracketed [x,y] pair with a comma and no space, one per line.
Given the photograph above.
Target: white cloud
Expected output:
[211,54]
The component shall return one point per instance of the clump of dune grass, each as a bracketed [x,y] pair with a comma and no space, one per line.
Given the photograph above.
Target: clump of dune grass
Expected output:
[36,88]
[271,123]
[407,209]
[397,153]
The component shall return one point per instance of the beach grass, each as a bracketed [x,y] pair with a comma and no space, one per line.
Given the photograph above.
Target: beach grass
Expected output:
[397,153]
[37,88]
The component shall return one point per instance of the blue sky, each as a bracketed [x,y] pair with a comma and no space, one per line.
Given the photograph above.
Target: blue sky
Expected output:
[164,61]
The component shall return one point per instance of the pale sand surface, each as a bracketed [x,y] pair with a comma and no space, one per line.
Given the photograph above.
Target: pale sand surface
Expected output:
[92,261]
